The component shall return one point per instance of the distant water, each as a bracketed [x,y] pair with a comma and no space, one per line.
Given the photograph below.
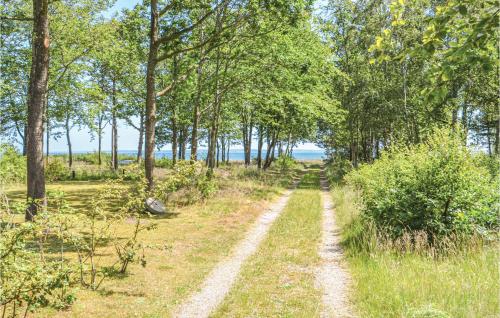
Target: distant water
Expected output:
[234,155]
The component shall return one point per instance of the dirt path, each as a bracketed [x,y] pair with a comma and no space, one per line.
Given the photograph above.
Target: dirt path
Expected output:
[331,277]
[223,276]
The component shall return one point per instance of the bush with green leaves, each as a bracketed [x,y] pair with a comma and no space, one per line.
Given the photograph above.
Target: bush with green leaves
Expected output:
[12,165]
[56,170]
[189,176]
[436,187]
[163,162]
[29,277]
[337,168]
[285,162]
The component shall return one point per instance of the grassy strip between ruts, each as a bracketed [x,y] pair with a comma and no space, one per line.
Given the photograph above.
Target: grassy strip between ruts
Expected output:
[197,236]
[278,281]
[463,284]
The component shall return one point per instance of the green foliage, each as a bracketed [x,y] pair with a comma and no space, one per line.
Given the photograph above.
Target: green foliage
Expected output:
[56,170]
[285,162]
[337,168]
[163,162]
[12,165]
[189,177]
[435,187]
[30,279]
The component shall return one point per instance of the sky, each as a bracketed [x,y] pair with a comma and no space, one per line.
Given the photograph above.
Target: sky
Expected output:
[127,136]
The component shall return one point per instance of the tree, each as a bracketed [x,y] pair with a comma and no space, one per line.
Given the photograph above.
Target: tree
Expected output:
[36,101]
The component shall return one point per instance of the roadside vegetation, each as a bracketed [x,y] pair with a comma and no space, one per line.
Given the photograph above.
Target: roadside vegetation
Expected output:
[278,281]
[100,251]
[420,231]
[402,96]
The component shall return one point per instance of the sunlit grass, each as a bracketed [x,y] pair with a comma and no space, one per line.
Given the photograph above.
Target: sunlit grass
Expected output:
[182,250]
[278,281]
[462,284]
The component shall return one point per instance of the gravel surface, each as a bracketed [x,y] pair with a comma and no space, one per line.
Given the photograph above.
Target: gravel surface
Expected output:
[331,276]
[224,275]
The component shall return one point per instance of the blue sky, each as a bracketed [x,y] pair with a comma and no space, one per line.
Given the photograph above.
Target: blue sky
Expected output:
[127,136]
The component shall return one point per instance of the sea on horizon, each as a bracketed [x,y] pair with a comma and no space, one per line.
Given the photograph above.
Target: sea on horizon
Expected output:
[234,155]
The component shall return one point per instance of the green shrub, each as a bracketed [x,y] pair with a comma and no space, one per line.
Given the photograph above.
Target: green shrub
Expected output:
[285,162]
[490,163]
[12,165]
[187,176]
[337,168]
[436,187]
[56,170]
[163,163]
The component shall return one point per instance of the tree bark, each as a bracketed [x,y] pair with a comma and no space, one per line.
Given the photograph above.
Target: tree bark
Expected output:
[68,140]
[36,95]
[141,139]
[259,147]
[114,128]
[270,150]
[99,140]
[197,102]
[174,137]
[151,95]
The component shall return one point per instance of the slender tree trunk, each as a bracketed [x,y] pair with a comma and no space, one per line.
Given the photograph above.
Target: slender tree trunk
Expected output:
[99,140]
[151,95]
[270,150]
[197,101]
[141,139]
[36,95]
[175,132]
[223,148]
[68,140]
[227,154]
[183,145]
[47,141]
[25,139]
[218,153]
[174,137]
[497,136]
[259,147]
[114,128]
[216,112]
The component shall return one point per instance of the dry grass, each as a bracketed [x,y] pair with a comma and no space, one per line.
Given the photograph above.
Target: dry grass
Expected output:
[196,236]
[278,281]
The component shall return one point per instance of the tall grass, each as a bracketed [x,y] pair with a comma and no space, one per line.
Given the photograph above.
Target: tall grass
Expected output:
[412,276]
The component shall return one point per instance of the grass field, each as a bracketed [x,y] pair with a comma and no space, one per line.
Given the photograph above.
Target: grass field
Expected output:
[463,284]
[278,281]
[184,247]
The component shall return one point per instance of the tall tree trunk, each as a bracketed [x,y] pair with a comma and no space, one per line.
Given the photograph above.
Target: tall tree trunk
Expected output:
[259,147]
[68,140]
[223,148]
[151,95]
[174,113]
[174,137]
[270,150]
[114,128]
[25,139]
[99,140]
[197,101]
[36,95]
[218,153]
[47,140]
[248,149]
[214,129]
[497,136]
[179,147]
[184,141]
[141,139]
